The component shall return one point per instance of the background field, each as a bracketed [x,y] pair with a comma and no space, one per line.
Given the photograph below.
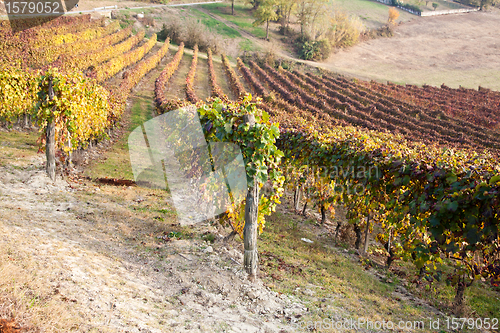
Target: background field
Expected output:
[373,14]
[459,50]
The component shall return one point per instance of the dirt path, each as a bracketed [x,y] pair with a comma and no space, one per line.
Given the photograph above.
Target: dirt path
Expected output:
[201,83]
[114,259]
[105,262]
[221,78]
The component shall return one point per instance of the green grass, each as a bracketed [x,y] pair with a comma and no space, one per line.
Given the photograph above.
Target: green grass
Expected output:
[216,26]
[19,140]
[117,162]
[373,14]
[343,283]
[339,284]
[243,17]
[138,10]
[124,23]
[16,148]
[482,300]
[248,45]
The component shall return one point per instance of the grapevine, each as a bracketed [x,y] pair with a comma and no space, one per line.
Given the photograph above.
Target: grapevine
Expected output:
[190,94]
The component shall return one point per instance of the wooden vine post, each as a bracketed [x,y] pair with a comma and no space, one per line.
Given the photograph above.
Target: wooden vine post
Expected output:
[296,198]
[251,258]
[50,145]
[69,158]
[367,232]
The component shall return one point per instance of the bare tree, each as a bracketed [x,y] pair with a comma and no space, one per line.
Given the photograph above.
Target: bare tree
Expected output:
[308,12]
[285,8]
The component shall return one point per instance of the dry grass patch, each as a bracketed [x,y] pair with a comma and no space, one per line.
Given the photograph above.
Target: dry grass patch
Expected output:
[27,296]
[329,280]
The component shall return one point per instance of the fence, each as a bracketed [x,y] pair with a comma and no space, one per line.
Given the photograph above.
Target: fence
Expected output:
[431,13]
[414,12]
[450,11]
[104,8]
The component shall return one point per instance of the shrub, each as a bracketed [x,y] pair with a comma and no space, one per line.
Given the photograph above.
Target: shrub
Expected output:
[305,49]
[331,29]
[313,50]
[393,15]
[174,30]
[191,32]
[286,31]
[411,7]
[344,30]
[323,49]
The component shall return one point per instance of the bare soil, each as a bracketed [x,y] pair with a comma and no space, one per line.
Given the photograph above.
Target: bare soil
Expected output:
[87,251]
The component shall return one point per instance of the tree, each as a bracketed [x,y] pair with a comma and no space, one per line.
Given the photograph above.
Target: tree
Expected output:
[393,15]
[285,8]
[435,5]
[266,12]
[308,13]
[485,3]
[255,3]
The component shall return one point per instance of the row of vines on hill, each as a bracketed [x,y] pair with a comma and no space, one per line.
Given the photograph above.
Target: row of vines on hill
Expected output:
[73,106]
[455,127]
[28,48]
[112,67]
[361,108]
[19,86]
[477,107]
[251,129]
[162,103]
[234,80]
[81,57]
[190,93]
[216,89]
[83,109]
[427,201]
[78,43]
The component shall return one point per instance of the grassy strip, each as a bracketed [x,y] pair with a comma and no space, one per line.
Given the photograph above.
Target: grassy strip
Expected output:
[243,17]
[117,162]
[327,278]
[17,148]
[216,26]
